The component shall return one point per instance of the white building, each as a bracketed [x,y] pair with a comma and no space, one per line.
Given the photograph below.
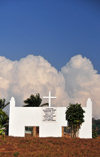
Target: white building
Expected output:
[49,120]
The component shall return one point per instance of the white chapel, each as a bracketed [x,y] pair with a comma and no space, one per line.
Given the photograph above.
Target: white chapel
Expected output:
[48,121]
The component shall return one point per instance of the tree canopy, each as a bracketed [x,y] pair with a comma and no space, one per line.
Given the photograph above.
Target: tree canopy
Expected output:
[75,117]
[33,101]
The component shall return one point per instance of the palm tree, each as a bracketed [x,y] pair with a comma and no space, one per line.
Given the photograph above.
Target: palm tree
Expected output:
[3,103]
[45,105]
[33,101]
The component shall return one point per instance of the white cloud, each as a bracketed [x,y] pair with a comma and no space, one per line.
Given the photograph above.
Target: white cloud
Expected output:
[31,75]
[82,81]
[76,81]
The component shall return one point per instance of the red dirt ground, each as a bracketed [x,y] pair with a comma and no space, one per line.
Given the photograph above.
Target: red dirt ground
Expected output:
[49,147]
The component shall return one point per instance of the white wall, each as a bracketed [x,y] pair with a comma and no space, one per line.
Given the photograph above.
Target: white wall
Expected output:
[19,117]
[86,128]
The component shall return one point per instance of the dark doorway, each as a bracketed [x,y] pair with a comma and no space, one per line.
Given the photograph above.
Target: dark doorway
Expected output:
[32,131]
[66,132]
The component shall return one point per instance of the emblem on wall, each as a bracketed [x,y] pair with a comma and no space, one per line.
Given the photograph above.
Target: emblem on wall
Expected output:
[49,114]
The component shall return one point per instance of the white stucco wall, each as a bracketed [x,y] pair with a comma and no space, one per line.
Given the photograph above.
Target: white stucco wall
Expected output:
[86,128]
[19,117]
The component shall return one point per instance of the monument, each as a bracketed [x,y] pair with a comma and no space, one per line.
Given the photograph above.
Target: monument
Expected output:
[49,121]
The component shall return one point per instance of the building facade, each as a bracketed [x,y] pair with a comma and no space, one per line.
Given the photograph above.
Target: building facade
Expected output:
[48,121]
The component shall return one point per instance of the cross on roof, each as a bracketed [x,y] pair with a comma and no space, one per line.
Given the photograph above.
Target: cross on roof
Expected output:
[49,97]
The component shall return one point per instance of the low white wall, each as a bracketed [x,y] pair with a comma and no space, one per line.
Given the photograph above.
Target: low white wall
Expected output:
[19,117]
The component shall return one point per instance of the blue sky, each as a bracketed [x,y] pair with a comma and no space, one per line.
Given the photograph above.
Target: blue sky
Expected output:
[54,29]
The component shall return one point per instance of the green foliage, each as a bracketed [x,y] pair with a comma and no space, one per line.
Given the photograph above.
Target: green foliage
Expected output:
[3,117]
[94,134]
[1,131]
[96,125]
[33,101]
[74,114]
[3,103]
[75,117]
[16,154]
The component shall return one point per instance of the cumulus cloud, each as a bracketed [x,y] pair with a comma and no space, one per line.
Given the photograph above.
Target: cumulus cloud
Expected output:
[76,81]
[82,81]
[31,75]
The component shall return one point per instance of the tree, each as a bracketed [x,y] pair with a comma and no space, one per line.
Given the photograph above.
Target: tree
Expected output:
[75,117]
[33,101]
[3,103]
[3,118]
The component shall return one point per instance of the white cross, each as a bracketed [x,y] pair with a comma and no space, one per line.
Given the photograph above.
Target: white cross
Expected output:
[49,97]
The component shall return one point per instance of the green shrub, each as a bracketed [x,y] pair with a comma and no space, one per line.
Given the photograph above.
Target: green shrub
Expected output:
[94,134]
[16,154]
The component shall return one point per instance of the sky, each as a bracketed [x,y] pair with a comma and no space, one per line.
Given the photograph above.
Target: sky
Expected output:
[54,29]
[50,45]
